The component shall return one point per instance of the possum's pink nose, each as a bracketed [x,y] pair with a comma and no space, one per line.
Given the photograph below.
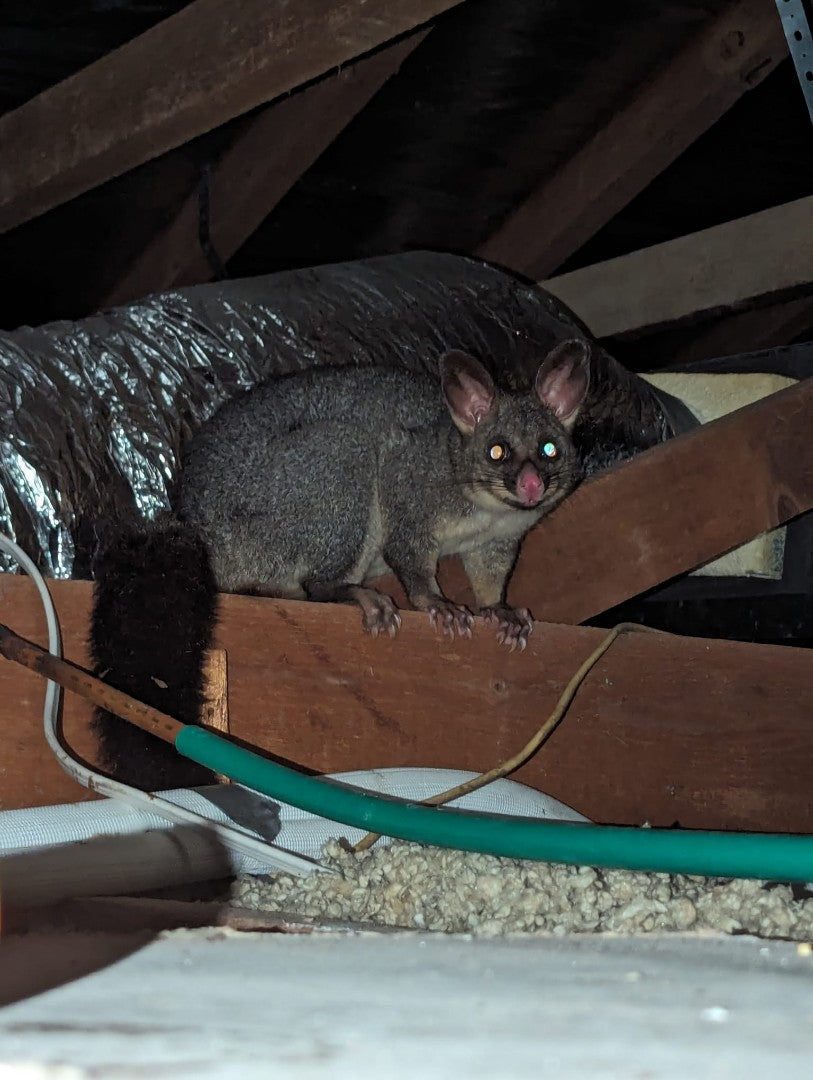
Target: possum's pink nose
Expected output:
[530,485]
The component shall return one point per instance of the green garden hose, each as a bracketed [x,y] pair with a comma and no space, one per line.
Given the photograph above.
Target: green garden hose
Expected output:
[676,851]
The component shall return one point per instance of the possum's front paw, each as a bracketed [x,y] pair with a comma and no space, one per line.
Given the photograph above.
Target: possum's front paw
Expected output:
[450,617]
[379,614]
[514,625]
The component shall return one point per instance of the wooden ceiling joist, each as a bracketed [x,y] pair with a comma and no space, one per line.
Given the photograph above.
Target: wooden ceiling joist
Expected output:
[271,152]
[670,510]
[670,111]
[211,62]
[723,269]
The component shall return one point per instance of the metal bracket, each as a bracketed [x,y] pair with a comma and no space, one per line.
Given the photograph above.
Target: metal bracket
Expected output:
[796,24]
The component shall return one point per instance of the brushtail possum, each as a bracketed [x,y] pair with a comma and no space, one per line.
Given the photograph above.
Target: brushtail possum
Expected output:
[317,482]
[311,485]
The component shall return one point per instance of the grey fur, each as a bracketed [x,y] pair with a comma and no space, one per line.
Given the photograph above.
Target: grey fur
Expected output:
[318,481]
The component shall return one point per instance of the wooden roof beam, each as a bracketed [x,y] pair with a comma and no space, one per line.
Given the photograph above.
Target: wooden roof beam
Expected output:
[273,149]
[212,61]
[671,110]
[723,269]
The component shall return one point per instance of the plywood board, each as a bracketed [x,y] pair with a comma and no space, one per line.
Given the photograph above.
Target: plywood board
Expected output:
[707,734]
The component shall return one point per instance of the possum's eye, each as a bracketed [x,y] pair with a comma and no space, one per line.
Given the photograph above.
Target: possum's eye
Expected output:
[498,451]
[548,450]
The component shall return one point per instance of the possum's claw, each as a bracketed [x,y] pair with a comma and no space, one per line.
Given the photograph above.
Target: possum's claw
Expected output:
[514,625]
[451,617]
[379,614]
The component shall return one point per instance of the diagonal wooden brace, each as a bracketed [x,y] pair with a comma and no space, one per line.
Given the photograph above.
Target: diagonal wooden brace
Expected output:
[670,510]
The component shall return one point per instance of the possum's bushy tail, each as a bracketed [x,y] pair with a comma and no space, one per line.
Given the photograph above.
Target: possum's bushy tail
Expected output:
[154,608]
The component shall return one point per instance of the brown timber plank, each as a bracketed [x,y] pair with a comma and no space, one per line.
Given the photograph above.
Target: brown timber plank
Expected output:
[670,510]
[710,734]
[725,268]
[263,163]
[212,61]
[670,111]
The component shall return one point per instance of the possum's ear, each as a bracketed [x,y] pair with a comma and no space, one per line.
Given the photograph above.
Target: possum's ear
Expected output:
[468,390]
[563,378]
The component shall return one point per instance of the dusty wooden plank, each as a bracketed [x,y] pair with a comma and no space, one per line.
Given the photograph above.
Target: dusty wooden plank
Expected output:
[212,61]
[649,736]
[725,268]
[670,111]
[670,510]
[272,151]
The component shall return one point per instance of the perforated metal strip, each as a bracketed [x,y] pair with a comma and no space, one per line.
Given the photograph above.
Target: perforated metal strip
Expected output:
[795,16]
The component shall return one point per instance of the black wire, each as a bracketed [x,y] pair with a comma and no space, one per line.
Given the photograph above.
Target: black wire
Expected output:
[204,235]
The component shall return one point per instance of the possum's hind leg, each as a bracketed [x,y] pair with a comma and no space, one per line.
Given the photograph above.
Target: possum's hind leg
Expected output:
[379,614]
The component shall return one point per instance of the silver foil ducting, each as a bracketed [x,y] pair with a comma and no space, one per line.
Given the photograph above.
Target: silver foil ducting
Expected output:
[95,412]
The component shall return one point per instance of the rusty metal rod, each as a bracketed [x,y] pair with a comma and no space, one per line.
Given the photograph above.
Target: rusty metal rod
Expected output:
[81,682]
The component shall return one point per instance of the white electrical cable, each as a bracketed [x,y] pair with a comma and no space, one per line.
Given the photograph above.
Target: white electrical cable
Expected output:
[234,838]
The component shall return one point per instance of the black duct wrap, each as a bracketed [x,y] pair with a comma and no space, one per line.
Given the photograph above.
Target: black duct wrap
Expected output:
[95,412]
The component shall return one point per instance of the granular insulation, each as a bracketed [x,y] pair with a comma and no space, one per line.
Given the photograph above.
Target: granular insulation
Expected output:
[409,885]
